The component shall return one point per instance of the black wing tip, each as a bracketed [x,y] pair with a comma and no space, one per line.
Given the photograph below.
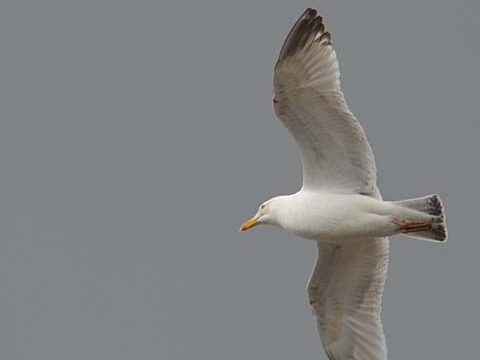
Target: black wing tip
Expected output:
[310,12]
[306,27]
[310,15]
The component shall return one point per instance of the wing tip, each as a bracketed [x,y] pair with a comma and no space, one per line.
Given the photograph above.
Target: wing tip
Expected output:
[307,27]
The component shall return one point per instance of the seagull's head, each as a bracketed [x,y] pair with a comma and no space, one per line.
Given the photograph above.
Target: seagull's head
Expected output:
[267,214]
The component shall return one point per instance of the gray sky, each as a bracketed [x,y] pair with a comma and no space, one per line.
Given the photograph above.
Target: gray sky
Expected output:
[136,136]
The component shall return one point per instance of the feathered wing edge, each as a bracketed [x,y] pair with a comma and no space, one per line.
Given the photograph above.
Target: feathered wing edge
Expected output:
[308,42]
[300,32]
[345,291]
[309,102]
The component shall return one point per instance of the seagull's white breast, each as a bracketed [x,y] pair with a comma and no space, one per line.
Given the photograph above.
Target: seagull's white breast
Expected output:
[332,217]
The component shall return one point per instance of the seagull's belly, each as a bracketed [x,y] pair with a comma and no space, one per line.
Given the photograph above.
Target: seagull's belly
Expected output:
[342,228]
[340,219]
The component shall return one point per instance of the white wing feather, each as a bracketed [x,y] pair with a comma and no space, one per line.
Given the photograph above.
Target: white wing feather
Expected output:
[345,291]
[308,100]
[346,285]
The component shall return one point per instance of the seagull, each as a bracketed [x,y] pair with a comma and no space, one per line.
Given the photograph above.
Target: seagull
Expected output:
[339,205]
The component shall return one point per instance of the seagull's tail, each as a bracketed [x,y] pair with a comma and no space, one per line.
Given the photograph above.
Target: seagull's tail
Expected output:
[431,222]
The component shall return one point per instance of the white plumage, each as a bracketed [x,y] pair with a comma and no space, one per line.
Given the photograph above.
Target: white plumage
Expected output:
[339,205]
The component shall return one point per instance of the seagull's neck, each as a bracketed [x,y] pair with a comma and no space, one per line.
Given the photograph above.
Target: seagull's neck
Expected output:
[288,207]
[284,206]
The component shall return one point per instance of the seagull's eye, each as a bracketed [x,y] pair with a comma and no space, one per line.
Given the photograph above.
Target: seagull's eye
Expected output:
[262,207]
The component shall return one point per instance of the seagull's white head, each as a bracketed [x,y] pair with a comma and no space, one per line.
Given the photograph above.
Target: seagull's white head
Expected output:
[267,213]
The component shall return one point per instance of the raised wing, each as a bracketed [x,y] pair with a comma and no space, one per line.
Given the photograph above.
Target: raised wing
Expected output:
[345,291]
[308,100]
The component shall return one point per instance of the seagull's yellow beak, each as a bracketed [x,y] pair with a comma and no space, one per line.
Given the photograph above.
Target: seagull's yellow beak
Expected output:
[249,224]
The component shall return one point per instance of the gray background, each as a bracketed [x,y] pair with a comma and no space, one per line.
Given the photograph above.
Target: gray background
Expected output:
[136,136]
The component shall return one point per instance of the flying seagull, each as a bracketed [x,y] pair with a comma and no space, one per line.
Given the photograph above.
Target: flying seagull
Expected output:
[339,205]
